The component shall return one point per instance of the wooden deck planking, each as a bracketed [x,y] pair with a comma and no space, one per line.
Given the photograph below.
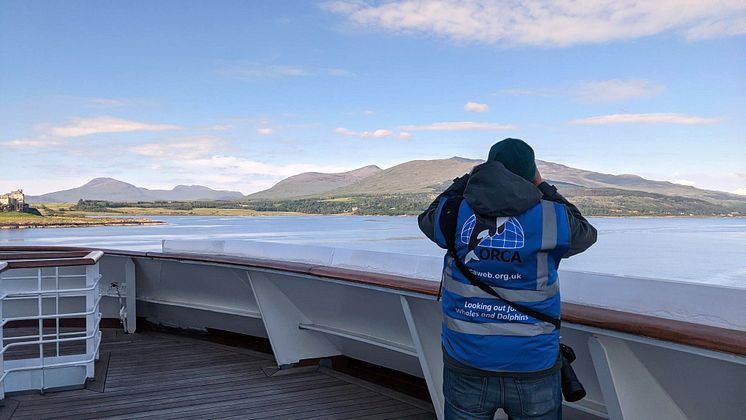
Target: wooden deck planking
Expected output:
[387,408]
[130,407]
[190,395]
[258,410]
[156,375]
[246,411]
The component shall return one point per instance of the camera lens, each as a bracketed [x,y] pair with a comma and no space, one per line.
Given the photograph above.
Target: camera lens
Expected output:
[572,389]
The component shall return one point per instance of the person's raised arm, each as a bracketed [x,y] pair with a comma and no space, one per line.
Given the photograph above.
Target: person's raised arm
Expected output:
[582,233]
[428,218]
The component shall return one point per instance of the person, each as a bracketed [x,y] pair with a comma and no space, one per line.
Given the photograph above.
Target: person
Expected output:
[510,229]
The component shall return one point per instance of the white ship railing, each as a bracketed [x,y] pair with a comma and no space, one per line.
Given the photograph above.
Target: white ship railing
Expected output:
[647,348]
[35,288]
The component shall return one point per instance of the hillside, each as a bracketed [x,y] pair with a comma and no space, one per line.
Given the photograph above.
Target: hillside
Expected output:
[407,187]
[113,190]
[602,194]
[423,176]
[561,173]
[417,176]
[314,183]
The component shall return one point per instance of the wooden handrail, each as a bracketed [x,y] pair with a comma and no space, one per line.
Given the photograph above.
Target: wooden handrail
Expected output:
[698,335]
[49,259]
[26,255]
[682,332]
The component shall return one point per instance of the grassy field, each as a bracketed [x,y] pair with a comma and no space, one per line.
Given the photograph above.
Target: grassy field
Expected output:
[15,220]
[64,209]
[598,202]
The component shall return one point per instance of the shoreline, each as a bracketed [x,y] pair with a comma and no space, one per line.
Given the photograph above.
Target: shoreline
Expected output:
[280,214]
[65,209]
[285,214]
[71,224]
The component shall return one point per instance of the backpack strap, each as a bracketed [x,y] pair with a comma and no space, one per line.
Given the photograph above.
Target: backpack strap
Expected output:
[448,225]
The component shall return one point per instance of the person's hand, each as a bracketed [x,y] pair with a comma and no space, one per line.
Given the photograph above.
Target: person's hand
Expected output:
[537,178]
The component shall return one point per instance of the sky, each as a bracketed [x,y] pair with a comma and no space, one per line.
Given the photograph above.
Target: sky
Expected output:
[238,95]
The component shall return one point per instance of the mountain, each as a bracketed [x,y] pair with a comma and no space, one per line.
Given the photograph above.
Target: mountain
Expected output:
[414,183]
[415,176]
[315,183]
[565,174]
[113,190]
[603,193]
[195,192]
[419,176]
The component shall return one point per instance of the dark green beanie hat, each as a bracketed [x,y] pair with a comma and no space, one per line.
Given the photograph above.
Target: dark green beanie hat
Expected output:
[516,155]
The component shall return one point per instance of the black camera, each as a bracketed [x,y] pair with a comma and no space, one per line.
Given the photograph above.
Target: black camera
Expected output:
[572,389]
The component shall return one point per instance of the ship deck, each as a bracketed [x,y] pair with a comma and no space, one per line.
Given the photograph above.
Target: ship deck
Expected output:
[154,374]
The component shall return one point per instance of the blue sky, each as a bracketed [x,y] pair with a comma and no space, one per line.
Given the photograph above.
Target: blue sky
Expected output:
[240,94]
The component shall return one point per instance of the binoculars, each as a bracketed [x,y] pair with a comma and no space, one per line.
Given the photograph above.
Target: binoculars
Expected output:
[572,389]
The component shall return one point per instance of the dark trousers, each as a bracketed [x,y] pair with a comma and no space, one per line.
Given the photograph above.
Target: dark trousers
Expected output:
[479,397]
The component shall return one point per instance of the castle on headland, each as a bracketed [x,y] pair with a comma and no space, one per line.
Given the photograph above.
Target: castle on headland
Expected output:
[13,201]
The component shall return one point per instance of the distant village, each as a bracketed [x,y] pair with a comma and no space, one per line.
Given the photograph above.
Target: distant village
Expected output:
[13,201]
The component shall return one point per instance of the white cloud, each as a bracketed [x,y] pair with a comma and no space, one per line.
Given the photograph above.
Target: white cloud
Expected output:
[255,71]
[100,125]
[529,92]
[740,191]
[546,22]
[96,102]
[380,133]
[715,178]
[616,90]
[242,174]
[264,131]
[684,182]
[340,73]
[180,148]
[241,166]
[613,90]
[653,118]
[368,112]
[476,107]
[716,28]
[41,185]
[458,126]
[109,102]
[35,143]
[205,161]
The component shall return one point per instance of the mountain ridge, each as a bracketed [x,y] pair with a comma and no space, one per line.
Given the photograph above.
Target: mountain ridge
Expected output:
[596,190]
[314,183]
[433,175]
[110,189]
[423,177]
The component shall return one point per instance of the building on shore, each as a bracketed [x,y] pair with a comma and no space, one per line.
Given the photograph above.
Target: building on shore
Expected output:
[13,201]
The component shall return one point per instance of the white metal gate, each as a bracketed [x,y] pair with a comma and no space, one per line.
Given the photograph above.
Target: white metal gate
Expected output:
[49,332]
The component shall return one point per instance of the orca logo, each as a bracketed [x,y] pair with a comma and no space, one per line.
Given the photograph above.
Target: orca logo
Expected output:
[500,233]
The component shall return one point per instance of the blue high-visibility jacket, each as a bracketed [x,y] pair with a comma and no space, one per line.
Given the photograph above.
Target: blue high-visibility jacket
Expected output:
[515,247]
[519,261]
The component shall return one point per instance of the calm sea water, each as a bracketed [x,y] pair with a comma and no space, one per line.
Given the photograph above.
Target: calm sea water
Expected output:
[701,250]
